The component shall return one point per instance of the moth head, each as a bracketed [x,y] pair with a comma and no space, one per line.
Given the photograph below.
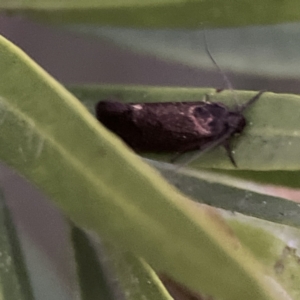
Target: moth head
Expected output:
[236,122]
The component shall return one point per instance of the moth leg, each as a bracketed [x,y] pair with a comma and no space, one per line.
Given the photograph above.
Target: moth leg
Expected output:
[223,140]
[227,147]
[195,146]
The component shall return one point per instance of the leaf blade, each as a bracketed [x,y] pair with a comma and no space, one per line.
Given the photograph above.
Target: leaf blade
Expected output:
[15,280]
[162,13]
[270,141]
[101,185]
[220,191]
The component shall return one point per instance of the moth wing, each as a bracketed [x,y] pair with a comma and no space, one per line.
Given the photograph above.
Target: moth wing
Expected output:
[210,118]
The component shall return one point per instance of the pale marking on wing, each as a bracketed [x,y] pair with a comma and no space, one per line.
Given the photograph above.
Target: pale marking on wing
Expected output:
[196,122]
[137,106]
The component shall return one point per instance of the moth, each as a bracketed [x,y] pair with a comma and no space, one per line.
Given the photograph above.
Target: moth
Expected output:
[174,127]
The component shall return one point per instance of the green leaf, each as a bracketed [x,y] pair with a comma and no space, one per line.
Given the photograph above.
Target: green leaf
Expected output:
[275,246]
[224,192]
[270,136]
[15,281]
[158,13]
[106,271]
[52,140]
[271,140]
[282,178]
[91,276]
[133,275]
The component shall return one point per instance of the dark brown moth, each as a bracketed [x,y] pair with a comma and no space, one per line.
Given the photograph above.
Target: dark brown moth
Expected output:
[175,127]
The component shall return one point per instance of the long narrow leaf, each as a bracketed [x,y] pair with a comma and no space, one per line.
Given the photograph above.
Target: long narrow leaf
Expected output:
[215,190]
[52,140]
[93,281]
[14,278]
[270,141]
[275,177]
[158,13]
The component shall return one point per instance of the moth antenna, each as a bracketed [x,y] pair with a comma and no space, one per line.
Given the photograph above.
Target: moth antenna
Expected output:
[241,108]
[225,78]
